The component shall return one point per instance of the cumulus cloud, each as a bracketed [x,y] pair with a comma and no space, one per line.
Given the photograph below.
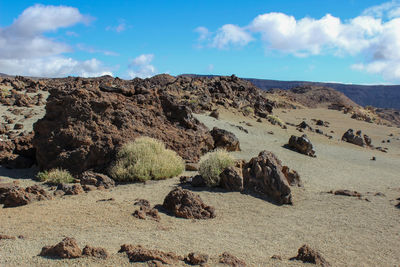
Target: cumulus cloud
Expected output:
[141,67]
[374,35]
[122,26]
[24,50]
[203,32]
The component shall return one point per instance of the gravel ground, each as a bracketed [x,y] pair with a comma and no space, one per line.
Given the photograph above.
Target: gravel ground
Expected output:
[347,231]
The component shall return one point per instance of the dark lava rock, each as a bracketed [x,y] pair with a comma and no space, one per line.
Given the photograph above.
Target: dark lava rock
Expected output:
[367,140]
[229,259]
[307,254]
[215,114]
[186,204]
[232,179]
[350,137]
[302,145]
[66,249]
[345,192]
[198,181]
[263,174]
[225,139]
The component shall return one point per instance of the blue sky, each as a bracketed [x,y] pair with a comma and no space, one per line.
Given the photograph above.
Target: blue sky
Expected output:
[344,40]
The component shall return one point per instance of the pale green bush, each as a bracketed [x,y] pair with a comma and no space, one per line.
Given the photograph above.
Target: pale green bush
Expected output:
[55,177]
[212,164]
[144,159]
[275,120]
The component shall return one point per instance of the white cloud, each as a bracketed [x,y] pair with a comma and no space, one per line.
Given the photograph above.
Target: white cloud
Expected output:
[373,36]
[122,26]
[24,50]
[141,67]
[387,9]
[95,51]
[231,35]
[203,32]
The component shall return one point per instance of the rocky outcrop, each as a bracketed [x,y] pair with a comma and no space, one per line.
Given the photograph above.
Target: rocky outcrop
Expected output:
[141,254]
[85,123]
[14,196]
[186,204]
[66,249]
[225,139]
[302,145]
[232,179]
[229,259]
[307,254]
[352,138]
[263,174]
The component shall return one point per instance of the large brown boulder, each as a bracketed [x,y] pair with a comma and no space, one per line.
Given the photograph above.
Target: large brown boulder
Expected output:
[186,204]
[86,122]
[263,174]
[225,139]
[302,145]
[66,249]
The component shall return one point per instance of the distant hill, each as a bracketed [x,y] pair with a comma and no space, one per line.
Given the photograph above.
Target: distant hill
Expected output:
[381,96]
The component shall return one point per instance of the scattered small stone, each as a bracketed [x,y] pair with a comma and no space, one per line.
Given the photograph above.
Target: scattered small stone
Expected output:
[18,126]
[214,114]
[68,189]
[198,181]
[345,192]
[106,199]
[276,257]
[141,254]
[373,158]
[95,252]
[96,179]
[196,258]
[145,211]
[270,132]
[259,120]
[7,237]
[307,254]
[229,259]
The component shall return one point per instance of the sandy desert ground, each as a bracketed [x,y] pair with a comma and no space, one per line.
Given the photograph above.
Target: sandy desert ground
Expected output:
[346,230]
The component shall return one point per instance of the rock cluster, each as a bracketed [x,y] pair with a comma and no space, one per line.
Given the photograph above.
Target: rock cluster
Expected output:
[145,210]
[186,204]
[141,254]
[18,152]
[11,195]
[356,138]
[229,259]
[68,249]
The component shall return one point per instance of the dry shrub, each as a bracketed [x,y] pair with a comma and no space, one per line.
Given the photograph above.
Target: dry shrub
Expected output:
[55,177]
[212,164]
[144,159]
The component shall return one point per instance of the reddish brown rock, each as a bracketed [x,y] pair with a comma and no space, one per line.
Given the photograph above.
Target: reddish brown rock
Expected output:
[18,152]
[229,259]
[292,176]
[345,192]
[225,139]
[186,204]
[96,179]
[145,211]
[196,258]
[95,252]
[66,249]
[232,179]
[74,189]
[263,174]
[141,254]
[17,196]
[7,237]
[307,254]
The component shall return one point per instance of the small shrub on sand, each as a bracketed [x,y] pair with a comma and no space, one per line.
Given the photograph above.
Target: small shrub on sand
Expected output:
[55,177]
[275,120]
[144,159]
[212,164]
[248,111]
